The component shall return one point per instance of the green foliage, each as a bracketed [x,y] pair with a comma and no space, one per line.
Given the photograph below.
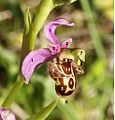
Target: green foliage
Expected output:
[44,113]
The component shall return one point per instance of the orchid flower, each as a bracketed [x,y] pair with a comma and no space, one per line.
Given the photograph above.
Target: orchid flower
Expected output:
[40,56]
[5,114]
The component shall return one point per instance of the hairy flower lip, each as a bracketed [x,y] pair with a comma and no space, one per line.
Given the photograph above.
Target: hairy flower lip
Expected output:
[40,56]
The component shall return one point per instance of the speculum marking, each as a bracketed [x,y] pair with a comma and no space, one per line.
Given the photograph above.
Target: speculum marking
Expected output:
[71,83]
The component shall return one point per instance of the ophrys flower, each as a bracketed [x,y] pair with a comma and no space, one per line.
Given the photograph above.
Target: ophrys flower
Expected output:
[65,64]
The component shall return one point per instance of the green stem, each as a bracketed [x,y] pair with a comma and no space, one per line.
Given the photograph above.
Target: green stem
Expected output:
[44,9]
[10,98]
[92,27]
[43,12]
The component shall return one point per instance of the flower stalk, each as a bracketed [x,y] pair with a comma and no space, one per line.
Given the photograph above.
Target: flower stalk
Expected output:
[10,98]
[43,11]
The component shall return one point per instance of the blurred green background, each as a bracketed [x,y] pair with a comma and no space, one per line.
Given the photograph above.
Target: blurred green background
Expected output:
[93,99]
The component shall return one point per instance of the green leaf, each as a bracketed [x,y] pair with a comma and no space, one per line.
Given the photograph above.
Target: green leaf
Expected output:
[63,2]
[44,113]
[27,20]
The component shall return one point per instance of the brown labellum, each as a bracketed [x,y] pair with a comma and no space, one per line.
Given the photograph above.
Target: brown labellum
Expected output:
[64,73]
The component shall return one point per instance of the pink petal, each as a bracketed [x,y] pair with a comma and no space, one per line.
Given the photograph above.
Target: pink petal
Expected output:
[66,43]
[34,59]
[55,48]
[0,109]
[50,29]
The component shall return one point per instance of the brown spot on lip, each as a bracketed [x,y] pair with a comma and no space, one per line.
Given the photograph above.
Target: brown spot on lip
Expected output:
[71,83]
[67,67]
[55,79]
[60,90]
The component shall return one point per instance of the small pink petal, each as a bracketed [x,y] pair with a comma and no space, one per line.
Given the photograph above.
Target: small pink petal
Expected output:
[50,29]
[55,48]
[34,59]
[66,43]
